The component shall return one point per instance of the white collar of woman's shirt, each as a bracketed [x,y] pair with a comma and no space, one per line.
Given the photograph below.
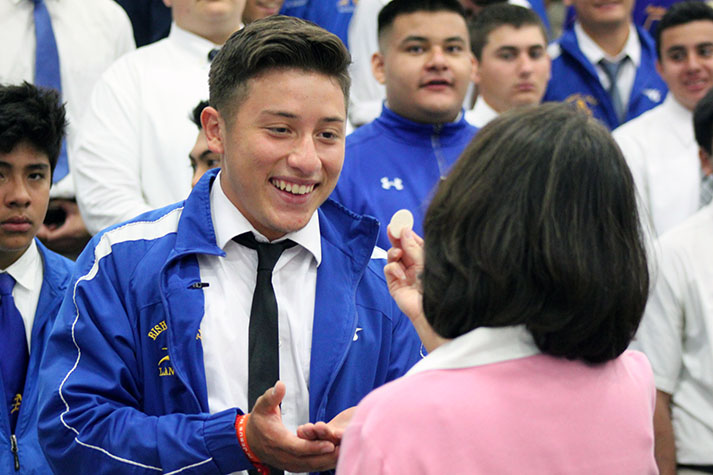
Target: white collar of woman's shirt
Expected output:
[484,345]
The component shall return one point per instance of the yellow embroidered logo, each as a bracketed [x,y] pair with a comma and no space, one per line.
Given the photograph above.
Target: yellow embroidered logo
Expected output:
[16,402]
[653,13]
[198,335]
[582,101]
[157,330]
[164,368]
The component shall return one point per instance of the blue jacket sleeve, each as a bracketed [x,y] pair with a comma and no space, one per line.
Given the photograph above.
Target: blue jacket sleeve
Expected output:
[96,415]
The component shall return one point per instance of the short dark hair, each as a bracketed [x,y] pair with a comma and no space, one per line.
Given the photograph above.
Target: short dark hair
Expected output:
[494,16]
[681,13]
[703,122]
[396,8]
[274,43]
[196,113]
[34,116]
[537,224]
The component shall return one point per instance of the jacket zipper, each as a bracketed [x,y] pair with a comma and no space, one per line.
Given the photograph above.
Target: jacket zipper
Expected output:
[436,146]
[13,444]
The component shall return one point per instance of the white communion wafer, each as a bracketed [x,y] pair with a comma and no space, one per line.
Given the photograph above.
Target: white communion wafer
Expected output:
[401,220]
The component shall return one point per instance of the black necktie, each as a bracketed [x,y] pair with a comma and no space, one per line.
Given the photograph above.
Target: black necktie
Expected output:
[263,352]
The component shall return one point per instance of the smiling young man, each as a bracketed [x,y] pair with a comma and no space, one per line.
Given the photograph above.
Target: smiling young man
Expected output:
[605,63]
[659,145]
[174,316]
[512,66]
[32,125]
[425,63]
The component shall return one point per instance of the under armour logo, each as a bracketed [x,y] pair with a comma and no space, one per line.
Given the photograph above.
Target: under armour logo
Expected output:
[654,95]
[356,334]
[396,183]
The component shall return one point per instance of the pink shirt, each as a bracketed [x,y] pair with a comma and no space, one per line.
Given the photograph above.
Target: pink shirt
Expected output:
[533,414]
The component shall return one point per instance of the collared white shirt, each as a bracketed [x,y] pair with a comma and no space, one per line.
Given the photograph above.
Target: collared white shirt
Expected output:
[228,298]
[481,113]
[28,273]
[676,333]
[662,154]
[132,150]
[481,346]
[90,35]
[594,54]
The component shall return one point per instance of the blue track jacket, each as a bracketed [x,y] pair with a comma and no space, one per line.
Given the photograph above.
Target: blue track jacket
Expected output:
[57,274]
[393,163]
[574,79]
[124,387]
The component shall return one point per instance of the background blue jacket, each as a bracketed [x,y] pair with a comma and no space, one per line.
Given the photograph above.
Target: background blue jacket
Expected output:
[574,79]
[123,407]
[393,163]
[57,274]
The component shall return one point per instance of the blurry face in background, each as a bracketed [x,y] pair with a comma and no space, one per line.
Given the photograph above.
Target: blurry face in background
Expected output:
[202,158]
[514,67]
[426,64]
[256,9]
[596,14]
[686,63]
[214,20]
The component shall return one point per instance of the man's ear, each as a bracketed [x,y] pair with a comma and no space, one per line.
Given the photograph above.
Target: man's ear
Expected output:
[706,165]
[659,68]
[214,128]
[377,67]
[475,76]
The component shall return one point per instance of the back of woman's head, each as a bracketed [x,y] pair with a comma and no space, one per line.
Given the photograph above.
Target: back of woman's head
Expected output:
[537,225]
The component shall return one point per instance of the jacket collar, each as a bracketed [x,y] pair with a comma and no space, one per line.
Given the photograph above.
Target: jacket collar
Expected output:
[340,227]
[411,132]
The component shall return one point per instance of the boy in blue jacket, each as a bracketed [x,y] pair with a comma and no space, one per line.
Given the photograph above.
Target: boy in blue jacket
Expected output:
[426,64]
[32,278]
[605,64]
[168,349]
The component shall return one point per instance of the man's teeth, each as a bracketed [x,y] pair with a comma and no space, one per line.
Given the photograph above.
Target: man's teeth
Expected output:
[293,188]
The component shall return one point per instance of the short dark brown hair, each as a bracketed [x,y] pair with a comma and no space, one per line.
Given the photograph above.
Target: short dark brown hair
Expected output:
[274,43]
[34,116]
[537,224]
[493,17]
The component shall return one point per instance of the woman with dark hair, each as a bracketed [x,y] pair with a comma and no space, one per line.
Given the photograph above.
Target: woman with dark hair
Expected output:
[534,282]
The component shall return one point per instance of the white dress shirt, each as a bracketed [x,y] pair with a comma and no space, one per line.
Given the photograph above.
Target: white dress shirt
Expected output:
[228,298]
[676,333]
[28,274]
[594,54]
[481,113]
[132,151]
[90,35]
[662,154]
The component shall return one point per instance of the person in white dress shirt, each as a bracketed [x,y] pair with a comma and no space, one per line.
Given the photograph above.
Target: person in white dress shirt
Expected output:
[90,36]
[659,145]
[130,154]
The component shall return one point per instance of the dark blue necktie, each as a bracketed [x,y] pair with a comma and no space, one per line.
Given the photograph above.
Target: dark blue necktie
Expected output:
[13,350]
[47,71]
